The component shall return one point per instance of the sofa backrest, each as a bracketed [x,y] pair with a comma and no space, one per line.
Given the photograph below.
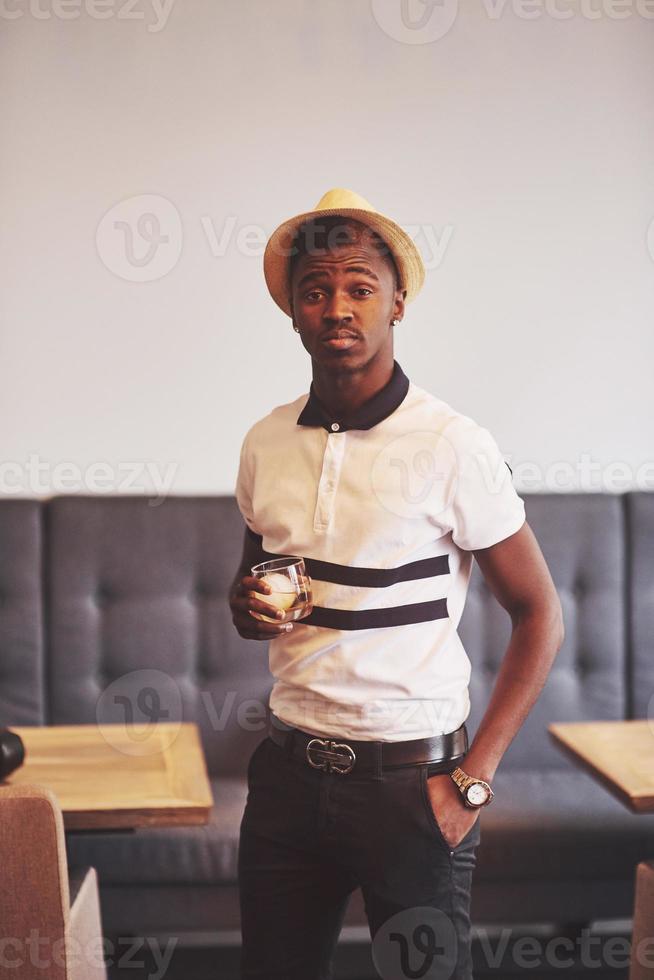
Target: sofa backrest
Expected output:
[136,601]
[138,615]
[22,695]
[582,538]
[640,572]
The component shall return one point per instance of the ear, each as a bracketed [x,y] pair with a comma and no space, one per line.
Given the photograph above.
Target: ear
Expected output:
[293,323]
[398,303]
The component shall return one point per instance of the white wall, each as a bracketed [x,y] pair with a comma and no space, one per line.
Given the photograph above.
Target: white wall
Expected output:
[522,138]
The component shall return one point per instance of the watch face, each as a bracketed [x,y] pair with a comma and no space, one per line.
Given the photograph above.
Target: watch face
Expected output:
[477,794]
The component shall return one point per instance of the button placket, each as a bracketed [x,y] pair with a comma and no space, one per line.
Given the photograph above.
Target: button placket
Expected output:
[331,467]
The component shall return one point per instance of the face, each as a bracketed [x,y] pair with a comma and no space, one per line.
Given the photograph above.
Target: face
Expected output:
[343,301]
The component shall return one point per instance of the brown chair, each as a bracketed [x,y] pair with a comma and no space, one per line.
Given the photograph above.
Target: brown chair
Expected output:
[50,924]
[642,938]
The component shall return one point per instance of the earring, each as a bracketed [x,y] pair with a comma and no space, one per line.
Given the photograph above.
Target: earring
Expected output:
[395,322]
[297,329]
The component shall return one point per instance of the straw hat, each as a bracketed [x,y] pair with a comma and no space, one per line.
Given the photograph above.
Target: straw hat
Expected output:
[276,259]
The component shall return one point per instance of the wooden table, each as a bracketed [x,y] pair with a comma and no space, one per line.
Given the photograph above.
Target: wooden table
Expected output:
[620,754]
[117,777]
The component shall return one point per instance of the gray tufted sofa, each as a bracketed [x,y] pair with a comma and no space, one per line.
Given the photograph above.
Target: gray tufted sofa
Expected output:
[94,588]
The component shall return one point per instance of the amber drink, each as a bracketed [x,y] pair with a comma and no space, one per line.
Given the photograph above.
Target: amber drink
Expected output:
[290,589]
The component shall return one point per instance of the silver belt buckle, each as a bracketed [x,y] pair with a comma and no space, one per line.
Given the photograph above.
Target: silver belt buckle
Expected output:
[329,758]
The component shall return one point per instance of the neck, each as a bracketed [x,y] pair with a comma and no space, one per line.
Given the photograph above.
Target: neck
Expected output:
[344,391]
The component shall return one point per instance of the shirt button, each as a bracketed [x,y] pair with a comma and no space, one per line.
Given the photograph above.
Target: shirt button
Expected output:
[335,426]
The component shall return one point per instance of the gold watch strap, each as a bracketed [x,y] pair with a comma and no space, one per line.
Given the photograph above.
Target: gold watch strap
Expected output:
[463,780]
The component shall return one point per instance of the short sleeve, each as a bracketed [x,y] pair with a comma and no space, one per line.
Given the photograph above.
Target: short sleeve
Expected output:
[486,506]
[244,489]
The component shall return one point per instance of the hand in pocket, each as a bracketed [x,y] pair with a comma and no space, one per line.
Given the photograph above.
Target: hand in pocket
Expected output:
[451,815]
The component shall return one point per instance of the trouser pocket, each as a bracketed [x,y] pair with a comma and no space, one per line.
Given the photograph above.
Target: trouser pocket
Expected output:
[472,837]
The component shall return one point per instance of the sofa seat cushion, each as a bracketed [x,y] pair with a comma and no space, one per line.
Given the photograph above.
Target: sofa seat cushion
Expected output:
[557,824]
[172,855]
[554,824]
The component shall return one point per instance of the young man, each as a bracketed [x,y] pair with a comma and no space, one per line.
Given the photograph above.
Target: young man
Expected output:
[366,777]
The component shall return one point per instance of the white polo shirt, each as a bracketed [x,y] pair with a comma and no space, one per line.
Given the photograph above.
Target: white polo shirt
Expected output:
[385,506]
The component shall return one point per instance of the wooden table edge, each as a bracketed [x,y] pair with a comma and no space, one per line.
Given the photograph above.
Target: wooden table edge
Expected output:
[633,803]
[191,809]
[108,820]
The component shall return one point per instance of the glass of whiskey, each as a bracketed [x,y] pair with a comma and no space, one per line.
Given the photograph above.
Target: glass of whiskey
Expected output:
[291,588]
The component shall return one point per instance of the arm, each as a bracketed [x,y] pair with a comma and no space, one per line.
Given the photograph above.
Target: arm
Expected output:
[517,574]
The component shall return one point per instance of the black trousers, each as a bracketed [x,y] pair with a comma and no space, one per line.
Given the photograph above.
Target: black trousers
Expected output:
[309,838]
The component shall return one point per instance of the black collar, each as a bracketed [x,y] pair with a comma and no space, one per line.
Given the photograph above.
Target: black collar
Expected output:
[375,410]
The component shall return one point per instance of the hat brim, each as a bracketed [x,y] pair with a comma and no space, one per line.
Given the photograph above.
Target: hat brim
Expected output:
[277,254]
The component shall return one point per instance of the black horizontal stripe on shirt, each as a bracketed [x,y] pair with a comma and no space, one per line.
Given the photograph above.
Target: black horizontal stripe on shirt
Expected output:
[365,619]
[376,578]
[371,578]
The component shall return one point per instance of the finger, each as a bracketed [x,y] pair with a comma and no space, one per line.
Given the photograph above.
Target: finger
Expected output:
[245,621]
[251,582]
[273,627]
[250,602]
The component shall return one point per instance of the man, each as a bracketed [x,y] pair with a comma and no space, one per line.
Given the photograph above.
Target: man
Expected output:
[366,778]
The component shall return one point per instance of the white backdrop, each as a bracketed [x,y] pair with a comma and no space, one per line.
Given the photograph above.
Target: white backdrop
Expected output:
[148,150]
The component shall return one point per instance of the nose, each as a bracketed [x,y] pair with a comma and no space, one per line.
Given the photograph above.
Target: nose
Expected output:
[337,308]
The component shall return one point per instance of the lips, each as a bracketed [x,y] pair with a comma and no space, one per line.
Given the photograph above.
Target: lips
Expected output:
[339,339]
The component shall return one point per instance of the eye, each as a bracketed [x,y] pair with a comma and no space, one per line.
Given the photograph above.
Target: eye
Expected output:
[363,289]
[313,294]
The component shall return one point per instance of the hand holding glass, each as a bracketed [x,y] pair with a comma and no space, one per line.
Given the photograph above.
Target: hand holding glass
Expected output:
[290,588]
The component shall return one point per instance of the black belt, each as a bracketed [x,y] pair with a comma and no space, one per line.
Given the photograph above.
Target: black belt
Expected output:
[334,754]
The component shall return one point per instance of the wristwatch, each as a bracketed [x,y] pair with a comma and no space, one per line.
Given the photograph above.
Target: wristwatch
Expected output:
[475,792]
